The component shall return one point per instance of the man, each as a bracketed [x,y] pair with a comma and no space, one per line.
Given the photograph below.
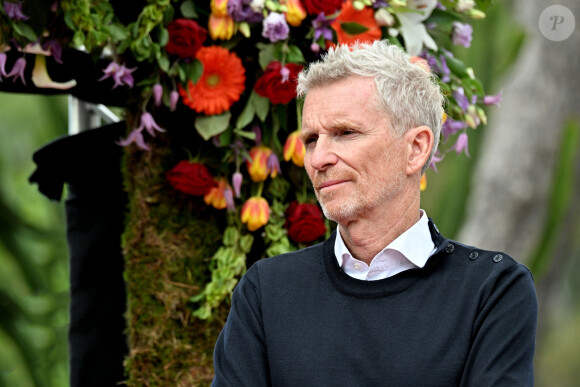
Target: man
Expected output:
[386,300]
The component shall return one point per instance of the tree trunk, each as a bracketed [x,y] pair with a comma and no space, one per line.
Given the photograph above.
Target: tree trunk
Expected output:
[513,177]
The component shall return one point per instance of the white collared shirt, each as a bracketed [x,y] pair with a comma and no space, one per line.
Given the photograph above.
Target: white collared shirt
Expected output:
[409,250]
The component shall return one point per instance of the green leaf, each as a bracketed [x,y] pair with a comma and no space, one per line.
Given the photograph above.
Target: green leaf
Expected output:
[230,236]
[209,126]
[117,32]
[163,62]
[457,67]
[247,115]
[188,9]
[163,37]
[246,242]
[294,55]
[24,30]
[261,105]
[266,55]
[353,28]
[194,71]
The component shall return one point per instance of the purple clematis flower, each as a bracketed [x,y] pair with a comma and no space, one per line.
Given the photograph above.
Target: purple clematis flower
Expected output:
[120,74]
[240,11]
[493,99]
[136,136]
[237,179]
[229,196]
[149,124]
[2,65]
[275,27]
[18,70]
[322,27]
[157,94]
[461,144]
[461,99]
[437,157]
[461,34]
[444,69]
[14,11]
[273,165]
[54,48]
[173,99]
[451,126]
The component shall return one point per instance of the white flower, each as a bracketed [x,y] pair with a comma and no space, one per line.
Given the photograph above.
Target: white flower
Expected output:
[412,28]
[464,5]
[384,18]
[257,5]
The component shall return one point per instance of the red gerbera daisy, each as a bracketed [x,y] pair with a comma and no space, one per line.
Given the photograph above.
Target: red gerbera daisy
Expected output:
[220,85]
[365,18]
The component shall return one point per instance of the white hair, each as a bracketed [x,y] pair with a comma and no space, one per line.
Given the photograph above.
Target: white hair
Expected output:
[408,93]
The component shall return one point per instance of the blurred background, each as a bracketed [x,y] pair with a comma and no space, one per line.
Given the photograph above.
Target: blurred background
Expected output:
[517,192]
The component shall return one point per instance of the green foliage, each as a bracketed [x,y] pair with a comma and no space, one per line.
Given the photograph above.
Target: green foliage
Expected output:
[33,254]
[560,198]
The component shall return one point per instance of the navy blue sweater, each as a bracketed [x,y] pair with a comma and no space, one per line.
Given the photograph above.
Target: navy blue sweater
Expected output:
[468,318]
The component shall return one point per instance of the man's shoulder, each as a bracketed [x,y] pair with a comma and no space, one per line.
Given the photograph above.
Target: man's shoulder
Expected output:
[483,262]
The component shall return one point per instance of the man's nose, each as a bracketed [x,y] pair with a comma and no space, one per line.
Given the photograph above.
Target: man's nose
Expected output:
[322,154]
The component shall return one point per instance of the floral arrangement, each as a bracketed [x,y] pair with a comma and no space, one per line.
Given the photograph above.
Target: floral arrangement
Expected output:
[234,64]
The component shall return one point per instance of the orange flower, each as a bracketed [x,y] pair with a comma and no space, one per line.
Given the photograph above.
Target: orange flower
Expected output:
[294,148]
[220,85]
[423,182]
[219,7]
[215,196]
[421,63]
[220,27]
[365,17]
[295,13]
[255,213]
[258,166]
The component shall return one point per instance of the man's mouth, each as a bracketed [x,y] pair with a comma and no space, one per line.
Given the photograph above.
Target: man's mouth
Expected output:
[330,183]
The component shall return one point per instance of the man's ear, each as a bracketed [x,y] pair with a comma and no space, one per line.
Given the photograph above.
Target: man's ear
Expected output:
[419,142]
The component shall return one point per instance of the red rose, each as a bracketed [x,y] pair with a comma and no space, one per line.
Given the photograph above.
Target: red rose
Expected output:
[191,178]
[314,7]
[185,38]
[273,86]
[304,222]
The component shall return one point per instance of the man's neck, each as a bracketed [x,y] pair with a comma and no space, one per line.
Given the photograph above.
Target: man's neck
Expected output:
[365,237]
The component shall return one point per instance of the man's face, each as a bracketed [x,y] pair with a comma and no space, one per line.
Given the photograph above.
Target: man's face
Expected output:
[355,163]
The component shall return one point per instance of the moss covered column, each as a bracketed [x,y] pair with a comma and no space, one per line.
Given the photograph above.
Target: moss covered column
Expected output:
[168,242]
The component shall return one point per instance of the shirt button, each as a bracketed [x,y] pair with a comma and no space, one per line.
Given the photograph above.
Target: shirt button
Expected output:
[473,256]
[498,257]
[450,248]
[357,266]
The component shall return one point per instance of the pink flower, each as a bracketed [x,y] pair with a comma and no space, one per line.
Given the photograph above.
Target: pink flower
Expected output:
[136,136]
[173,99]
[18,70]
[157,94]
[492,99]
[149,124]
[14,11]
[120,74]
[461,144]
[237,179]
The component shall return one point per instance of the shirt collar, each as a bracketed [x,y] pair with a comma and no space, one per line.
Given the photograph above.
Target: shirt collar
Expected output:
[415,243]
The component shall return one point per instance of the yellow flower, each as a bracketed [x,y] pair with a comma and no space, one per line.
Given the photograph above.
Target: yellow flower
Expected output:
[219,7]
[294,148]
[423,182]
[258,166]
[255,213]
[220,27]
[215,196]
[295,13]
